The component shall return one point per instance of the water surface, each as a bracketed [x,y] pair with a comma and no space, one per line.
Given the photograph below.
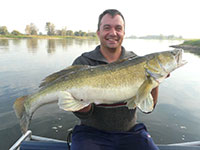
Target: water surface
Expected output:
[25,62]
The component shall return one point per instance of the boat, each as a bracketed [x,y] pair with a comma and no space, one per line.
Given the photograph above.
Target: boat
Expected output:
[28,141]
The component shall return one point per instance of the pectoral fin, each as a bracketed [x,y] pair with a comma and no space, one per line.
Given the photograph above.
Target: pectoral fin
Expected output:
[68,103]
[147,105]
[143,99]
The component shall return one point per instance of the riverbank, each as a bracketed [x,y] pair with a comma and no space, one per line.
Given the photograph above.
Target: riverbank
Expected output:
[190,45]
[44,37]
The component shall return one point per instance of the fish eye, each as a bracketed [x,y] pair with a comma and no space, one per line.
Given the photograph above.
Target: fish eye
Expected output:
[176,51]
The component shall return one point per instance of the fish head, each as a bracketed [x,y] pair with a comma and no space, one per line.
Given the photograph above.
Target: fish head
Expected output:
[160,64]
[171,60]
[178,54]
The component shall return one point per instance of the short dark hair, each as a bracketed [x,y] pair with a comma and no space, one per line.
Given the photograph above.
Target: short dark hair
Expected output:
[112,12]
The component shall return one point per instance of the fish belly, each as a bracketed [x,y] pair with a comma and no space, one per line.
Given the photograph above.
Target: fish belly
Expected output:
[103,95]
[36,101]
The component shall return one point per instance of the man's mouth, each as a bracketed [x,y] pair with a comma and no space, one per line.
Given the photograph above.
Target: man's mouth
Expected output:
[112,40]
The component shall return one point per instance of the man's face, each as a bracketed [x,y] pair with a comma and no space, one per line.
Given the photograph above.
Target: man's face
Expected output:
[111,32]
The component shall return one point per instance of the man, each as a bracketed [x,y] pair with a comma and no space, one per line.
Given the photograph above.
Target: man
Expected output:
[110,127]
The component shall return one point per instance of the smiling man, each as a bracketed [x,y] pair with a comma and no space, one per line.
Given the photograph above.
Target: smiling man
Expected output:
[110,127]
[111,34]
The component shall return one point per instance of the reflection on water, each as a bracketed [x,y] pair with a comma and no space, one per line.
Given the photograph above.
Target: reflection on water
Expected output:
[51,46]
[4,42]
[25,62]
[3,45]
[32,45]
[17,41]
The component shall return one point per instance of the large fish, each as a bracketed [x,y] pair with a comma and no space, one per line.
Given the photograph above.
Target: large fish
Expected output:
[129,80]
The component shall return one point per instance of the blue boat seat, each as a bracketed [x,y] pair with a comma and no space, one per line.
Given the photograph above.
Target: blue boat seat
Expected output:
[43,145]
[167,147]
[40,145]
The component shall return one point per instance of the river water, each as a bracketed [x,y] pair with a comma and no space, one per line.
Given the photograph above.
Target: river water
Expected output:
[25,62]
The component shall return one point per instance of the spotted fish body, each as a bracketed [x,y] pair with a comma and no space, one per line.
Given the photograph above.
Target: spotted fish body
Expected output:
[129,80]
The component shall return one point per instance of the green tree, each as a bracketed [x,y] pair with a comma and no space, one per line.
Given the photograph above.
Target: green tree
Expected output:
[31,29]
[50,28]
[15,32]
[171,37]
[80,33]
[83,33]
[28,29]
[3,30]
[58,32]
[76,33]
[92,34]
[61,32]
[64,31]
[69,32]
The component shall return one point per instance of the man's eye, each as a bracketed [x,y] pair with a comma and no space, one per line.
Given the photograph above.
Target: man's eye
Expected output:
[106,28]
[118,28]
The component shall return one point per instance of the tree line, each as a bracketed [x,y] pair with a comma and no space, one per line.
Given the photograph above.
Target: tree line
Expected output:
[157,37]
[50,29]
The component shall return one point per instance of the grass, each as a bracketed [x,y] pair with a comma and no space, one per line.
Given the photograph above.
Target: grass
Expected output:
[195,42]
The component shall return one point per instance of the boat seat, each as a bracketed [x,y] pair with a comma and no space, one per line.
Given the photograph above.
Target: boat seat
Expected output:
[167,147]
[43,145]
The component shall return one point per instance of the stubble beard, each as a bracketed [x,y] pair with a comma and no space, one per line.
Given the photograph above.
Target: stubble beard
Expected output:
[111,48]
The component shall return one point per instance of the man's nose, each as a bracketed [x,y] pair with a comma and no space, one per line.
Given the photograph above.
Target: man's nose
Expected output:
[113,31]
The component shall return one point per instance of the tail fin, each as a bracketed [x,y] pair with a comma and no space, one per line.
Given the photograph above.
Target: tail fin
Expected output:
[22,115]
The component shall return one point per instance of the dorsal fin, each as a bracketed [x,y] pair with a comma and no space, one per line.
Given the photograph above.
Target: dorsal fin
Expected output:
[69,70]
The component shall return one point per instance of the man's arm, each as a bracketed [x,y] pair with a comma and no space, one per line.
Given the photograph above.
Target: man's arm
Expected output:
[154,94]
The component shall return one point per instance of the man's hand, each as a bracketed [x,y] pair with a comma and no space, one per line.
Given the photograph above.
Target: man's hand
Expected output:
[86,109]
[154,94]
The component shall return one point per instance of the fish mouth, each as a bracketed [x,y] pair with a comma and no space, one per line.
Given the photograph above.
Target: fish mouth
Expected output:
[178,53]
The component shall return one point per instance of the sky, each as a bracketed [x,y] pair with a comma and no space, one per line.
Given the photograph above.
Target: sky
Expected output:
[143,17]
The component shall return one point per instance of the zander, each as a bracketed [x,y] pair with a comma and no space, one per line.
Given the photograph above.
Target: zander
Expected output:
[128,80]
